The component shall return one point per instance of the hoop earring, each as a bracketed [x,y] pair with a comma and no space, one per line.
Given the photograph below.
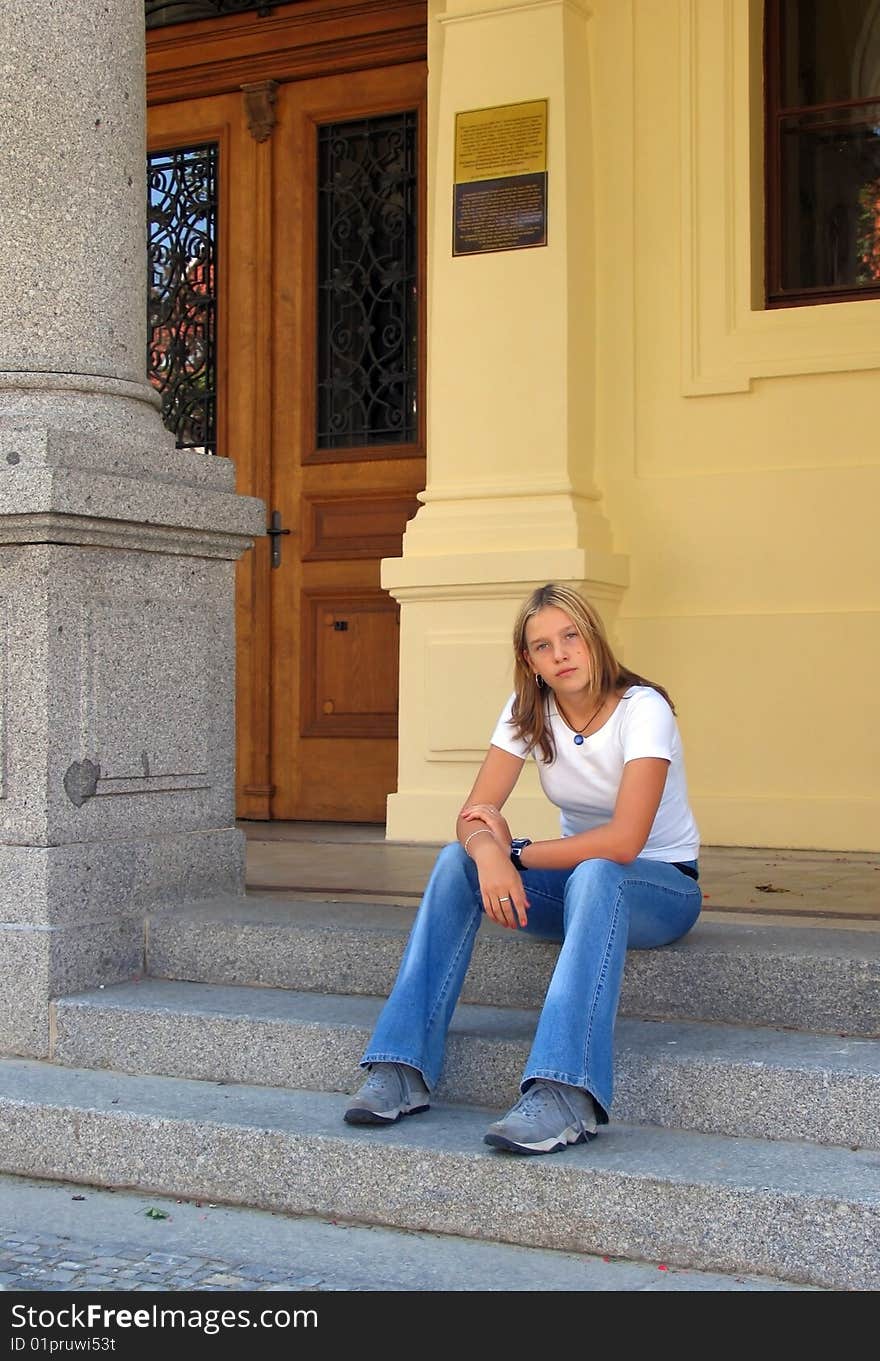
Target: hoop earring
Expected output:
[539,681]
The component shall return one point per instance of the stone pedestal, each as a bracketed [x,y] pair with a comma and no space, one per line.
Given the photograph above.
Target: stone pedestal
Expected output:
[117,551]
[116,709]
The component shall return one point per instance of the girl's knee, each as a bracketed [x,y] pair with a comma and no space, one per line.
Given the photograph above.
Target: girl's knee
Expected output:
[452,856]
[454,860]
[593,889]
[597,875]
[453,884]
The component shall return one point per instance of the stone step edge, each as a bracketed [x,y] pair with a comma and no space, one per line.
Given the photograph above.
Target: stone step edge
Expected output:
[194,1031]
[715,977]
[200,1243]
[698,1201]
[714,930]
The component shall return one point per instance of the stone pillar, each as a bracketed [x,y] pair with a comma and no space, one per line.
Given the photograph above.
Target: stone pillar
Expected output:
[117,552]
[511,500]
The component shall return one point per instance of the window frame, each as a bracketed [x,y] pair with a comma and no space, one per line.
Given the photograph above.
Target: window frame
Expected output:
[775,295]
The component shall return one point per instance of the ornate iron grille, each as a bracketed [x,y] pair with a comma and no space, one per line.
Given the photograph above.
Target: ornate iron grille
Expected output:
[182,302]
[158,13]
[367,348]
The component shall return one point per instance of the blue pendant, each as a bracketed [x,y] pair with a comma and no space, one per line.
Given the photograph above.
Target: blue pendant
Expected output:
[578,740]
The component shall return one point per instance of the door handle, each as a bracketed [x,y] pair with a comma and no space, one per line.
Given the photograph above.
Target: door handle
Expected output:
[275,531]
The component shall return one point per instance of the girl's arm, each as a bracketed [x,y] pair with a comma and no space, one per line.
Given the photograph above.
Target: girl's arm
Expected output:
[501,887]
[492,788]
[621,839]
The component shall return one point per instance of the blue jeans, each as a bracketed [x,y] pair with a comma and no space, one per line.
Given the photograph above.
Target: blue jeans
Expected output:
[597,910]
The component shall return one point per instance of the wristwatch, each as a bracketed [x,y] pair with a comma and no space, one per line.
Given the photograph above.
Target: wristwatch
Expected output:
[517,846]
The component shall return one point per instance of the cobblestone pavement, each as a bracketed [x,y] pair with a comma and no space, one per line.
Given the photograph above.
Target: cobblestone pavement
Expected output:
[50,1262]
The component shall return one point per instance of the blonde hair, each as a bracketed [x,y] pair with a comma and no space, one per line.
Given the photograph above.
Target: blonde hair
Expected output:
[529,715]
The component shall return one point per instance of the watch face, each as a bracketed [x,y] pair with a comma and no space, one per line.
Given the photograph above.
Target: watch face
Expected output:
[516,848]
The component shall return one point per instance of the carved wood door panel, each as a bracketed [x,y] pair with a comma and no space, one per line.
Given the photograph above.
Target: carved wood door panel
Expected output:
[348,430]
[317,351]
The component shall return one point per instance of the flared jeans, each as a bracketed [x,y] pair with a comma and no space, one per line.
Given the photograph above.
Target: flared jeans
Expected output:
[597,911]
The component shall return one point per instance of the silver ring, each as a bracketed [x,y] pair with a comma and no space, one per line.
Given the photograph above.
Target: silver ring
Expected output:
[505,899]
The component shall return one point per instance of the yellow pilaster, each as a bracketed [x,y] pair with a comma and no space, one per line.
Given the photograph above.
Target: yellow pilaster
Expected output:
[510,499]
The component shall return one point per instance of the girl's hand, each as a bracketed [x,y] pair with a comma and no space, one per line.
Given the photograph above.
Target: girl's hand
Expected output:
[494,820]
[501,888]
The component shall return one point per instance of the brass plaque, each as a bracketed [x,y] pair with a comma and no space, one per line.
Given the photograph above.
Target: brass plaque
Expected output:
[500,192]
[510,139]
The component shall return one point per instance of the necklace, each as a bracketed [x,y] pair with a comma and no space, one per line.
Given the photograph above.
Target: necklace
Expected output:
[579,732]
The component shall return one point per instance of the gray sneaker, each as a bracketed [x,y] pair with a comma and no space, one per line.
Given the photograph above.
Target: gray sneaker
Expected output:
[549,1116]
[391,1090]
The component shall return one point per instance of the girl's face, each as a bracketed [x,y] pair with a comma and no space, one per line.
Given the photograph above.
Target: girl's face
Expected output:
[556,652]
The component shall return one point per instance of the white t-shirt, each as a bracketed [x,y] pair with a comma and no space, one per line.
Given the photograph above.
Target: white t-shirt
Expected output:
[583,780]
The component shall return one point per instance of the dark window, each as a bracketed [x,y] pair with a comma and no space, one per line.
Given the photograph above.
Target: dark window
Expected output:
[182,298]
[822,68]
[367,280]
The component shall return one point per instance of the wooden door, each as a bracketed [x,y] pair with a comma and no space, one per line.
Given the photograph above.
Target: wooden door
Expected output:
[346,469]
[305,167]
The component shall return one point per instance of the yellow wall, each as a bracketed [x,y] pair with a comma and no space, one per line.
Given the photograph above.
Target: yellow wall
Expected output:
[614,410]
